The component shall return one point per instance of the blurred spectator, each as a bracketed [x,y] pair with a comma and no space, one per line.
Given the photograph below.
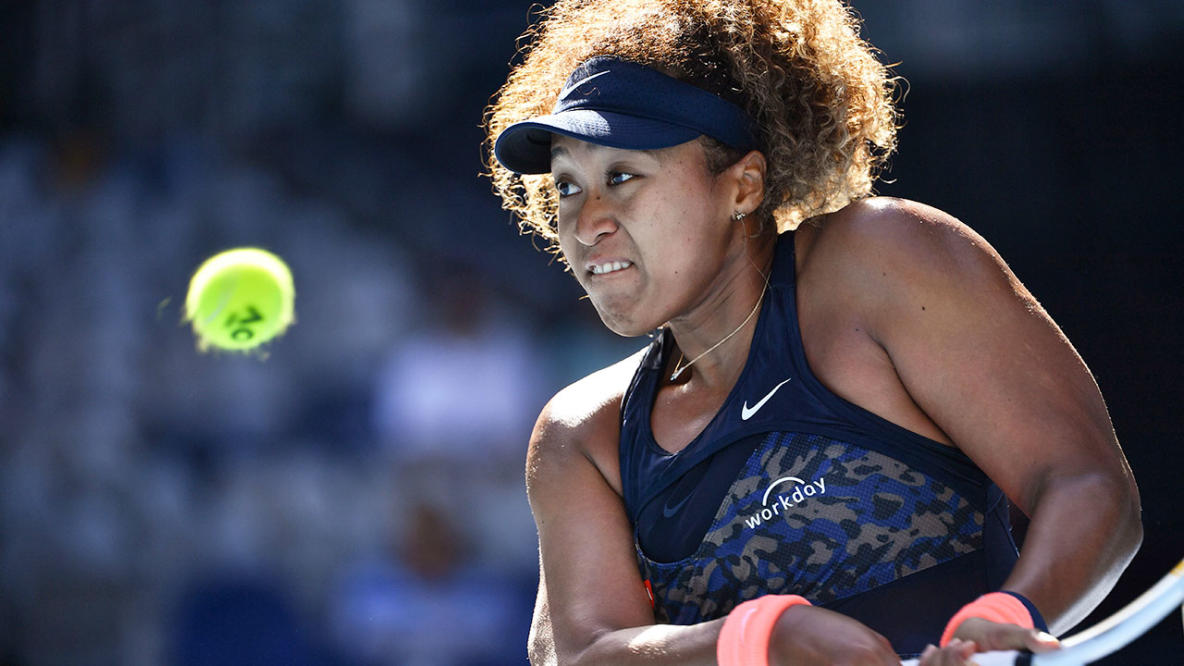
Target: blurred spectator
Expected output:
[454,405]
[425,602]
[462,391]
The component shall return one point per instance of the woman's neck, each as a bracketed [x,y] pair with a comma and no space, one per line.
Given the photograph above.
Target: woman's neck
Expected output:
[713,339]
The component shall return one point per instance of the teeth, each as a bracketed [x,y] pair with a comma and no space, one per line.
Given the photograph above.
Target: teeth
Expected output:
[611,267]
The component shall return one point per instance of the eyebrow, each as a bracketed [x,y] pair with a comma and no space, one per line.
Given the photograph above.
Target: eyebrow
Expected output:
[558,150]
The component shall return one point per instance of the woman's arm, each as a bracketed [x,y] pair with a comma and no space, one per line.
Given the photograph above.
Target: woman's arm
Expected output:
[986,363]
[592,607]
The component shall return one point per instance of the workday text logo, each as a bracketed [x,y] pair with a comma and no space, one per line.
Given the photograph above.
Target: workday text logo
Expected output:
[793,491]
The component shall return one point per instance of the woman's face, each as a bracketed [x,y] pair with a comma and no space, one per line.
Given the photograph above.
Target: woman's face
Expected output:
[646,233]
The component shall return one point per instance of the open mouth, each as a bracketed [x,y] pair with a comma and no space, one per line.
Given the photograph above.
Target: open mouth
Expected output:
[610,267]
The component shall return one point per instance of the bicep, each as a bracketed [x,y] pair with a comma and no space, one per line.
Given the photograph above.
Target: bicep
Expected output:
[984,360]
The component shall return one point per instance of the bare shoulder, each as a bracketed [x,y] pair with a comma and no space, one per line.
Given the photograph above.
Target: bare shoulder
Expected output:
[582,423]
[882,249]
[885,230]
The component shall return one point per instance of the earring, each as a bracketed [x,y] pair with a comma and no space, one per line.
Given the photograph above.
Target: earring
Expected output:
[737,216]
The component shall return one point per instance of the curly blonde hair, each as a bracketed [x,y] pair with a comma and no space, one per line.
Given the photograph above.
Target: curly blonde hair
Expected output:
[824,105]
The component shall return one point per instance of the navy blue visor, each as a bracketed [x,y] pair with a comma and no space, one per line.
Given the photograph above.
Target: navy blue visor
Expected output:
[621,104]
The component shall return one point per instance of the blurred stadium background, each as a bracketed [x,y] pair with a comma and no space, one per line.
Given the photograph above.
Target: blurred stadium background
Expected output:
[356,497]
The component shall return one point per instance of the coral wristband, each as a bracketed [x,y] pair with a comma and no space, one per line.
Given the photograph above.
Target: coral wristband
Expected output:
[997,607]
[744,638]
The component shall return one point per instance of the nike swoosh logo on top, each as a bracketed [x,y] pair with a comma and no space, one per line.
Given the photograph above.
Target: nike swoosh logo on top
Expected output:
[566,91]
[667,511]
[747,412]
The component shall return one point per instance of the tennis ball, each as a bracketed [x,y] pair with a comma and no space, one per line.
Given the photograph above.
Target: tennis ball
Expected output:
[240,299]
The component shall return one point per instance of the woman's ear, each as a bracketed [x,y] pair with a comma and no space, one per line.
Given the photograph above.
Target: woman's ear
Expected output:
[749,174]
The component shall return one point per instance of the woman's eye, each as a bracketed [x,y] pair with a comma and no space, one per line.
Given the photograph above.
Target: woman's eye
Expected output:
[618,177]
[566,189]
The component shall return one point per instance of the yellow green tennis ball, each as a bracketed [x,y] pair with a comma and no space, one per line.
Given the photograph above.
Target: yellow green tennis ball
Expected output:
[240,299]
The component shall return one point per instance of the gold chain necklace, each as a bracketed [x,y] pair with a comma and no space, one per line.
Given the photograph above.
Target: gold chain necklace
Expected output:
[679,368]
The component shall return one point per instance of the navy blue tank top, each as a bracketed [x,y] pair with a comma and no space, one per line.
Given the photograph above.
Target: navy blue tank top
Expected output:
[791,489]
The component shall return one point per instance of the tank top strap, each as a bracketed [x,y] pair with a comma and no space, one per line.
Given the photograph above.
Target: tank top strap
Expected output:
[635,460]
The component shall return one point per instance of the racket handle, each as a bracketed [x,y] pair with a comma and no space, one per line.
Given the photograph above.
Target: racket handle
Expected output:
[1003,658]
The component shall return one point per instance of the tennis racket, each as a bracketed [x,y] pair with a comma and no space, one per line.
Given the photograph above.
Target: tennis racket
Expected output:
[1105,637]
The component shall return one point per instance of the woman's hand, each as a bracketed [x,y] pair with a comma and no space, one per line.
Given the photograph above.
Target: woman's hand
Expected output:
[979,635]
[812,635]
[990,636]
[956,653]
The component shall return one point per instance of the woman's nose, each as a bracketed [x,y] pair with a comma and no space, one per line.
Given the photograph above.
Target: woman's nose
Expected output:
[595,219]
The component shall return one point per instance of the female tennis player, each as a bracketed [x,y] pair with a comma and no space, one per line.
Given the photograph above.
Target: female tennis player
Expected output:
[812,461]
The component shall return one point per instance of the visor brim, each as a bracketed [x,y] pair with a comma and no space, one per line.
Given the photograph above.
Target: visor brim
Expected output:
[525,147]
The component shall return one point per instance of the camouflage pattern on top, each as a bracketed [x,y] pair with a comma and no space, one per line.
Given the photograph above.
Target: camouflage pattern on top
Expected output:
[818,517]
